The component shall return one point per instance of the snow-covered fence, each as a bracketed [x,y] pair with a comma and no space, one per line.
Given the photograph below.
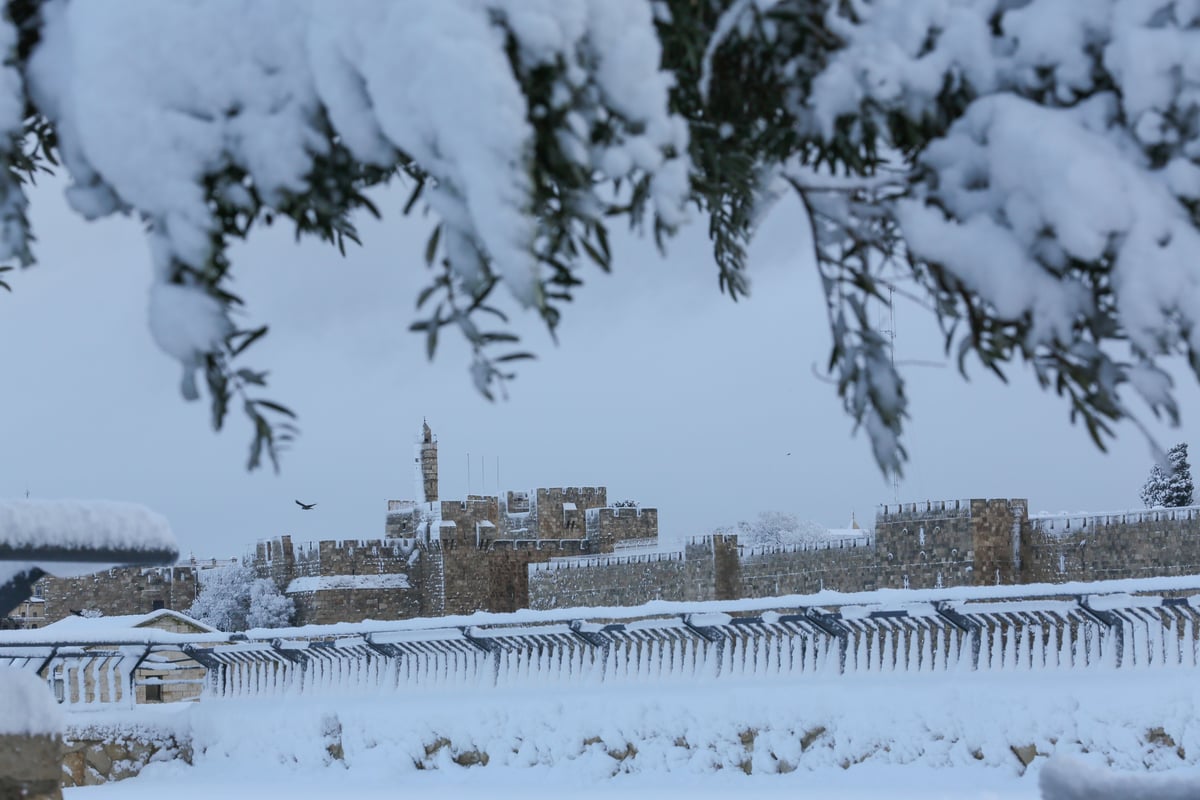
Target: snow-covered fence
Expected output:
[110,675]
[995,630]
[1126,633]
[79,675]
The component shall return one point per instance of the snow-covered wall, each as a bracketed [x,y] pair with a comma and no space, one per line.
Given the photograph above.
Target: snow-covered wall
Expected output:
[981,723]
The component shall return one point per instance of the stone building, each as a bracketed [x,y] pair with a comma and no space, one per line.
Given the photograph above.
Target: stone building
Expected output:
[122,590]
[440,557]
[80,658]
[29,614]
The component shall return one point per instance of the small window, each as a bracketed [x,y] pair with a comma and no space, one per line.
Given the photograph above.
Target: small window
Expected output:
[157,605]
[154,693]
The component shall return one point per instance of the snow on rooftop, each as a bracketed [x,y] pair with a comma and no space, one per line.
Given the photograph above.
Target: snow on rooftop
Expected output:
[316,583]
[569,507]
[91,625]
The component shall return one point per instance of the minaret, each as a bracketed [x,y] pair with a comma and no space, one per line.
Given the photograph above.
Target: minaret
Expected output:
[427,466]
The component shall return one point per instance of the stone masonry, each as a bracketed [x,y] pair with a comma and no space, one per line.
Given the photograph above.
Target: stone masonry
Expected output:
[914,546]
[127,590]
[565,546]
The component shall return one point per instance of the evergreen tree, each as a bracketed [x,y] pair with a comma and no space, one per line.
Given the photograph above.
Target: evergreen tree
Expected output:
[1178,490]
[1170,489]
[1154,487]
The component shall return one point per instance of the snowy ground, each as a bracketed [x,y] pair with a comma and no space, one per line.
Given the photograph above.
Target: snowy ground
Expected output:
[861,783]
[918,736]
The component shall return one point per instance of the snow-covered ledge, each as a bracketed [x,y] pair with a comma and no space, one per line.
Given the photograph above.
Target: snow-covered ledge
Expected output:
[82,531]
[75,537]
[30,737]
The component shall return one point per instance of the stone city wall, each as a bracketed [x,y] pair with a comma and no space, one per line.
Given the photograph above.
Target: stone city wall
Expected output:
[612,526]
[625,579]
[365,557]
[765,572]
[124,590]
[354,605]
[554,522]
[924,546]
[1057,548]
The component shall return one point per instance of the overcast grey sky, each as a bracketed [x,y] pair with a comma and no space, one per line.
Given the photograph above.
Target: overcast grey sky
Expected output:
[661,389]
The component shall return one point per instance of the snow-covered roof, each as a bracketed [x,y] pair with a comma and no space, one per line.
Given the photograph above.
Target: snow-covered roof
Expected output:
[93,625]
[316,583]
[119,629]
[569,507]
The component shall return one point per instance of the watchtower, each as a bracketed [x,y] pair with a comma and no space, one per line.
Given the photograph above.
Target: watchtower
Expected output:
[427,465]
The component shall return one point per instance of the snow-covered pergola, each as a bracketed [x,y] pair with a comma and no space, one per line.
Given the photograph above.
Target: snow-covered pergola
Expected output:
[73,537]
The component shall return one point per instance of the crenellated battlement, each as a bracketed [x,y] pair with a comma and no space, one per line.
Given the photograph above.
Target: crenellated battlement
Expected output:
[746,551]
[923,510]
[1067,521]
[566,546]
[615,559]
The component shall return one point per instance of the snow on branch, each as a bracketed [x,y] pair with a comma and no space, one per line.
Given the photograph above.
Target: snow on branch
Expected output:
[1030,170]
[82,527]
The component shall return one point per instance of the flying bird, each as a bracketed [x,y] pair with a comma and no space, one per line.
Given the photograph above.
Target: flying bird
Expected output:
[306,506]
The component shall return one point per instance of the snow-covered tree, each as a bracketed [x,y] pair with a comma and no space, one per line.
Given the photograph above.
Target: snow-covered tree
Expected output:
[1170,488]
[1030,171]
[1178,490]
[774,529]
[268,607]
[1154,487]
[233,599]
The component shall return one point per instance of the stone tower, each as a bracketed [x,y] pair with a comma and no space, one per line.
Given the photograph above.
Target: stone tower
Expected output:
[427,465]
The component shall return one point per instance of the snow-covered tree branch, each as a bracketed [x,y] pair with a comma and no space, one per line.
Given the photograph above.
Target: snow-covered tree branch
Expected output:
[1029,169]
